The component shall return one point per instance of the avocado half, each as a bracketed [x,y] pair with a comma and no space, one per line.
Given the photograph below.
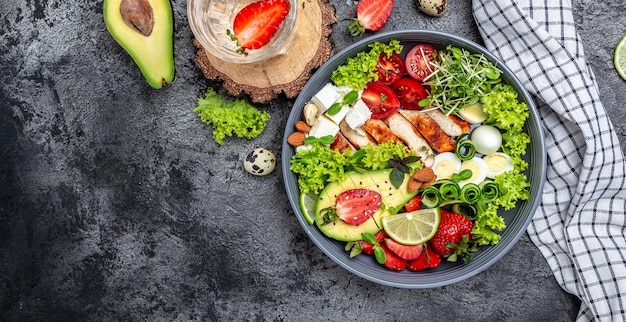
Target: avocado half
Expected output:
[153,49]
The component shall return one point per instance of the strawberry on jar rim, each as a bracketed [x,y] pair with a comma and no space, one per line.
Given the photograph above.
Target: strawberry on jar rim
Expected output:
[255,25]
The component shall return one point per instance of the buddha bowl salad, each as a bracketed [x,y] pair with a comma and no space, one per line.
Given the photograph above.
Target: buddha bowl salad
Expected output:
[409,158]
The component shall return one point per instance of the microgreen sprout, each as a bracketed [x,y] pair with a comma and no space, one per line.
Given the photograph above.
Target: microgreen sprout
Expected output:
[459,78]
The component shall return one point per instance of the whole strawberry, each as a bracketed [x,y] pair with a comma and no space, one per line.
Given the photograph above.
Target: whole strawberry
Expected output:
[453,235]
[370,15]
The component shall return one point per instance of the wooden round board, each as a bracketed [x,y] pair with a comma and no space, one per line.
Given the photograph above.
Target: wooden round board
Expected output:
[287,73]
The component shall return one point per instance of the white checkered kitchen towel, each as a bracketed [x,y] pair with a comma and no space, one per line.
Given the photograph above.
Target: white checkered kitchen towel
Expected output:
[580,226]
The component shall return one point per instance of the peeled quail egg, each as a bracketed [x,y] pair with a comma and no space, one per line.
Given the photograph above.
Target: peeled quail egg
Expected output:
[487,139]
[497,163]
[260,162]
[446,164]
[478,168]
[473,113]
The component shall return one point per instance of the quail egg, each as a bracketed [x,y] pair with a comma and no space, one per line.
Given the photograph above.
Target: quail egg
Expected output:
[446,164]
[479,170]
[497,163]
[433,8]
[487,139]
[260,162]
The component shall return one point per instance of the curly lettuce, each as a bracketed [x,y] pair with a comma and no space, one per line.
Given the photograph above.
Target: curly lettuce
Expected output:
[317,166]
[503,108]
[357,71]
[228,118]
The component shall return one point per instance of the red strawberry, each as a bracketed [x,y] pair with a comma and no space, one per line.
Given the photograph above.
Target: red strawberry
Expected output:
[256,24]
[453,235]
[368,248]
[428,259]
[393,262]
[355,206]
[408,252]
[370,15]
[414,204]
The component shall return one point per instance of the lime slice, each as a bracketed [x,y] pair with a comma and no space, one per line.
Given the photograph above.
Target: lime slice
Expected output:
[412,228]
[619,57]
[307,205]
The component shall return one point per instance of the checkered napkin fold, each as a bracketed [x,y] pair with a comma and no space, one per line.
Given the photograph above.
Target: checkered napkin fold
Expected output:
[580,225]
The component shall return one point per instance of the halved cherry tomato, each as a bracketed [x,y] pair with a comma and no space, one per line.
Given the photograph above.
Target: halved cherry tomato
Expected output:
[417,61]
[389,68]
[381,100]
[410,92]
[414,204]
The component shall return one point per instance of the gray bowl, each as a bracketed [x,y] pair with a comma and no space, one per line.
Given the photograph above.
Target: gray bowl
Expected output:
[516,219]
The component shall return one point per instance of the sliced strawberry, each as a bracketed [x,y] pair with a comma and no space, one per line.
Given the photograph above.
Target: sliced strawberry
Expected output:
[452,235]
[404,251]
[355,206]
[256,24]
[428,259]
[370,15]
[368,248]
[414,204]
[393,262]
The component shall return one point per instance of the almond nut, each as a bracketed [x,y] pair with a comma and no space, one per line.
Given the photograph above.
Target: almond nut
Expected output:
[301,126]
[424,175]
[296,139]
[413,185]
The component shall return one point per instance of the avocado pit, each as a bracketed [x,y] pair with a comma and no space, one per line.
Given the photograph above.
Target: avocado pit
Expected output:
[138,15]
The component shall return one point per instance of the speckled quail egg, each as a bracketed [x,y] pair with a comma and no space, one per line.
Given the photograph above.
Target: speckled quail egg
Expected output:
[260,162]
[433,8]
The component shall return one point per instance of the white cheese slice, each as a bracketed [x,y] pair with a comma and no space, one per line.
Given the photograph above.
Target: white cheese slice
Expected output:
[358,114]
[326,97]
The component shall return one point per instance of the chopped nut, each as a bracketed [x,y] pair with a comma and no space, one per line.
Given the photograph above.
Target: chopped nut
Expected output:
[310,114]
[301,126]
[296,139]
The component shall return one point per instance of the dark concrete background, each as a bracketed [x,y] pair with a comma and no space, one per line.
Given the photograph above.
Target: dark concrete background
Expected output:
[116,204]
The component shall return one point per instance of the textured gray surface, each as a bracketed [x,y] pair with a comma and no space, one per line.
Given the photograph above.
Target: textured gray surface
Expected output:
[116,204]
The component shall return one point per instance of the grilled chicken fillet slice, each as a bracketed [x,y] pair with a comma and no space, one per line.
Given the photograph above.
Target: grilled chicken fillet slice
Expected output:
[406,132]
[357,139]
[379,131]
[452,125]
[430,130]
[341,143]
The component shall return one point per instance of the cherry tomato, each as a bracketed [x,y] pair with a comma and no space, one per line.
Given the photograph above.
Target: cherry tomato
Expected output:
[389,68]
[417,61]
[380,99]
[414,204]
[410,92]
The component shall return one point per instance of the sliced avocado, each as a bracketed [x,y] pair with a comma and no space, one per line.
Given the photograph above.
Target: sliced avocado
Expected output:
[374,180]
[145,31]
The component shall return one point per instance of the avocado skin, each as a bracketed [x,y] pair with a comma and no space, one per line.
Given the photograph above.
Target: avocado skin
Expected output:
[374,180]
[154,54]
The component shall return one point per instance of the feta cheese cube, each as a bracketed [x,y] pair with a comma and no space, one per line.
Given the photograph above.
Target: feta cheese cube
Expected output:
[323,127]
[326,97]
[340,115]
[358,114]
